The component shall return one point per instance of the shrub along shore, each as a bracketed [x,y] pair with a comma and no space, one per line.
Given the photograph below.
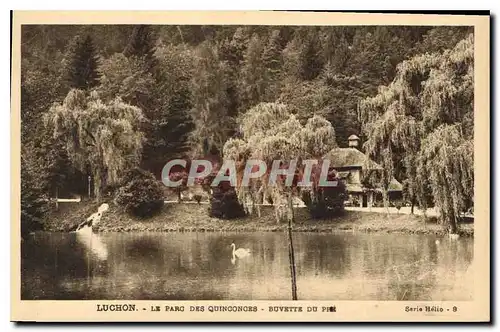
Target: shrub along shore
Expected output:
[194,218]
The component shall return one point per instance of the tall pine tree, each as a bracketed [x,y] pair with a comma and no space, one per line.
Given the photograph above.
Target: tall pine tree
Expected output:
[252,83]
[302,55]
[272,53]
[273,63]
[231,52]
[213,124]
[335,48]
[172,123]
[142,45]
[82,71]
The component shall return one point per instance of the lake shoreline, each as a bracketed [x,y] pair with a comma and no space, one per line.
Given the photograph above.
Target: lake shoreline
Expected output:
[195,218]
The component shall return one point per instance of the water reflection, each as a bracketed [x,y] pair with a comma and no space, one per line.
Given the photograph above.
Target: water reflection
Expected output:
[92,242]
[341,266]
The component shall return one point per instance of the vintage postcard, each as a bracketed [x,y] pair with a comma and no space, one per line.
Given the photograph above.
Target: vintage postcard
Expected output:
[250,167]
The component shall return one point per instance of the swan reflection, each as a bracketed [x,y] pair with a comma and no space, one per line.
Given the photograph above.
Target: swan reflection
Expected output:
[85,235]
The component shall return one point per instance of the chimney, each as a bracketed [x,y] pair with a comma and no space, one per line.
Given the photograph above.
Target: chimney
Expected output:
[353,141]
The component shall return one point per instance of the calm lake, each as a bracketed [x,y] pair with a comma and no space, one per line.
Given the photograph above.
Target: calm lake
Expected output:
[189,266]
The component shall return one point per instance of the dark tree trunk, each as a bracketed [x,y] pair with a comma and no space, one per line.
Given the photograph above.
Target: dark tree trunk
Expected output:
[452,225]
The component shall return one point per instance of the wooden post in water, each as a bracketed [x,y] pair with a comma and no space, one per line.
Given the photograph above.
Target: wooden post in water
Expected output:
[291,254]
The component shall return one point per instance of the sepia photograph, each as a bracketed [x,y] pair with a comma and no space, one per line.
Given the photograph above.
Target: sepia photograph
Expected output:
[250,162]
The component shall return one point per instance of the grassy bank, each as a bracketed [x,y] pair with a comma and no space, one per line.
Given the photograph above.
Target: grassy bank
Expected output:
[194,218]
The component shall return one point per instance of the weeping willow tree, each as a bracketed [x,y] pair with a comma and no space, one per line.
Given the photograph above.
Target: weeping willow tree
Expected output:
[420,128]
[271,133]
[101,138]
[447,157]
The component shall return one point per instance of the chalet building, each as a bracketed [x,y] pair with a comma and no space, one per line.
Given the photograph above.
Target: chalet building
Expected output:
[352,165]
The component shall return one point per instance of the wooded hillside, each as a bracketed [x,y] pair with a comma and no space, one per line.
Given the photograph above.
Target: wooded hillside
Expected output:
[175,91]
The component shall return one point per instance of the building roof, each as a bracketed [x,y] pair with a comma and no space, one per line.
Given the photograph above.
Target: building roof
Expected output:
[354,188]
[353,137]
[395,185]
[350,157]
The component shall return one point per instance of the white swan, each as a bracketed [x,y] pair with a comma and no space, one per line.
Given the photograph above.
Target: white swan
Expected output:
[240,252]
[453,236]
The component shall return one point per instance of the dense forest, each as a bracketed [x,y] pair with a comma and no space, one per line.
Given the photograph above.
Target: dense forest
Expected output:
[97,100]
